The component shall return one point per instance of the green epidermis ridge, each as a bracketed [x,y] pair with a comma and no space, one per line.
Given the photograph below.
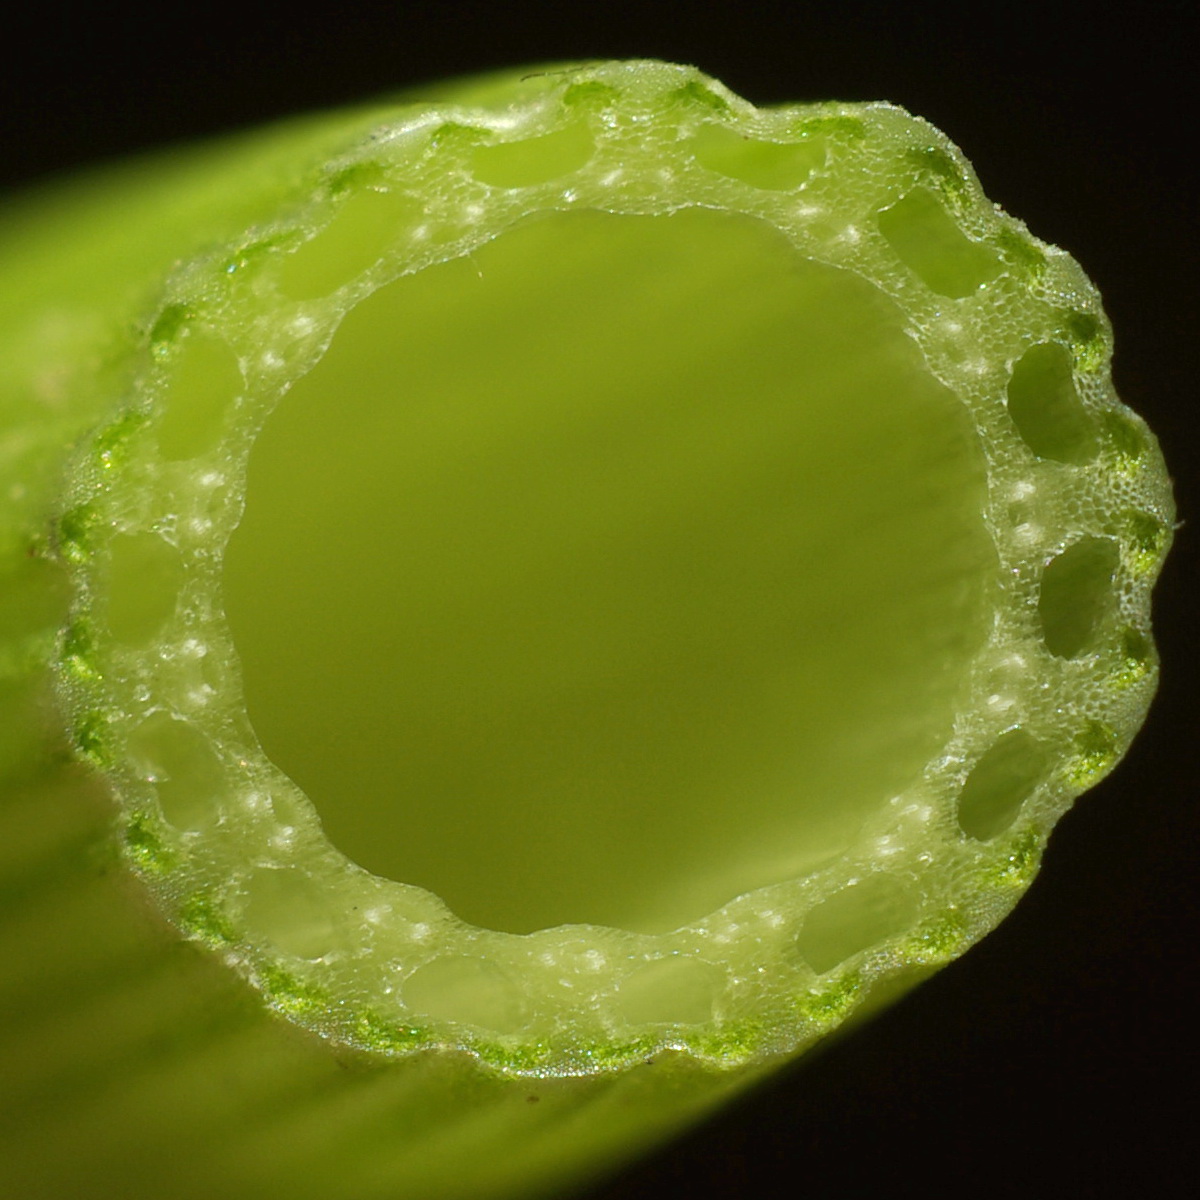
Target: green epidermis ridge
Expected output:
[1075,508]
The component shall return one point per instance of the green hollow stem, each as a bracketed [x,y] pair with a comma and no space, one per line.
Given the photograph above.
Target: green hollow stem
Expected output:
[522,609]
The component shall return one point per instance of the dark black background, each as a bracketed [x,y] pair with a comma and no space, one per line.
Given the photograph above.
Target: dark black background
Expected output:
[1058,1057]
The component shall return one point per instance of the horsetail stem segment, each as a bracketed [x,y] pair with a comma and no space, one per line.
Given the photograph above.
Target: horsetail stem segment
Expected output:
[561,594]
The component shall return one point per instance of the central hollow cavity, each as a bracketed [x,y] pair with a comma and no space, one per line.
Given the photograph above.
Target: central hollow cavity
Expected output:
[612,571]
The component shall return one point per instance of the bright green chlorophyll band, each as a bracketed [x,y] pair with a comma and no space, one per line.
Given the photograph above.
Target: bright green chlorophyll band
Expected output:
[578,587]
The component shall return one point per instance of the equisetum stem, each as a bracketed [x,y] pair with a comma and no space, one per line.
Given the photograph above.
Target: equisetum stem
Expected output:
[522,612]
